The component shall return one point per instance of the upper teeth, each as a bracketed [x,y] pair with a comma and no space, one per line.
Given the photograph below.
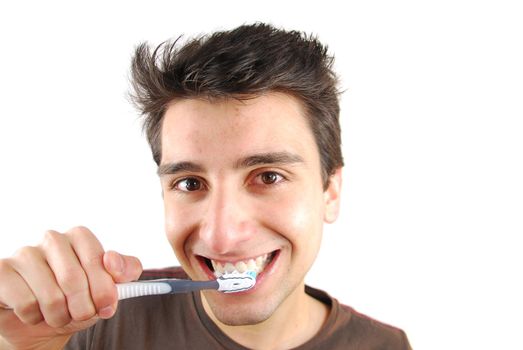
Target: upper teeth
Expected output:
[255,264]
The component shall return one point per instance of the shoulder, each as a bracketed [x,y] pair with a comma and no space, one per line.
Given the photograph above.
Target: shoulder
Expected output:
[348,329]
[374,333]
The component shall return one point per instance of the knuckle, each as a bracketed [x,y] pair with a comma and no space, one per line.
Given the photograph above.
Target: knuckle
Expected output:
[105,296]
[58,320]
[53,301]
[80,235]
[83,314]
[5,266]
[28,310]
[26,253]
[71,279]
[32,319]
[80,231]
[80,305]
[93,261]
[51,238]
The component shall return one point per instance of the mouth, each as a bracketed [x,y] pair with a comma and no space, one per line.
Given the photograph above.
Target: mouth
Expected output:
[256,264]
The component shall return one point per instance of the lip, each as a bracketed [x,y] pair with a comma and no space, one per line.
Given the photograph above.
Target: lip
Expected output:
[234,260]
[268,270]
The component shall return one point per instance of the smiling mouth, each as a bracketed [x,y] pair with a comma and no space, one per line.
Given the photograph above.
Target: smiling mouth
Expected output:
[255,264]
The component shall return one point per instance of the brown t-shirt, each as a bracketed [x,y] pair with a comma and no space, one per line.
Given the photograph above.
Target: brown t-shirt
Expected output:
[179,321]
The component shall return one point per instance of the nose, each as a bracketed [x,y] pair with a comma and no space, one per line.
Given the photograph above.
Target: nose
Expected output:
[227,222]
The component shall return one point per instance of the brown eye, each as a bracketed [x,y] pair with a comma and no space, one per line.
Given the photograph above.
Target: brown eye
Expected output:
[189,185]
[268,178]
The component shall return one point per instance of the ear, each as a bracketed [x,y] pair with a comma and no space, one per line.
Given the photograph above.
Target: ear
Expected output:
[332,197]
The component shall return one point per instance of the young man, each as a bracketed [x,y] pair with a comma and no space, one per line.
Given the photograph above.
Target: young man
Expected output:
[244,127]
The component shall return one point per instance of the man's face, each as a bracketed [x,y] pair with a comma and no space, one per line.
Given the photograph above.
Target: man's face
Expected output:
[242,190]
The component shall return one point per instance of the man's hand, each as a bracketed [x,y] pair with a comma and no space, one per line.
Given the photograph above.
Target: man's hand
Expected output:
[59,287]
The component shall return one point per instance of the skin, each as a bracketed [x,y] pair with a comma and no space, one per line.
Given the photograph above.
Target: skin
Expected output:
[224,200]
[63,285]
[239,179]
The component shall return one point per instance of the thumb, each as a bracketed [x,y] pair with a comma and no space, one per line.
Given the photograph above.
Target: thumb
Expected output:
[122,268]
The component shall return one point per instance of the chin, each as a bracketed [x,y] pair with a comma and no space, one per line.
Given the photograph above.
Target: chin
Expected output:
[242,313]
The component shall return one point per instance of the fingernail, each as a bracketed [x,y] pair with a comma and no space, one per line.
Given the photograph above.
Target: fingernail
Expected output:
[106,312]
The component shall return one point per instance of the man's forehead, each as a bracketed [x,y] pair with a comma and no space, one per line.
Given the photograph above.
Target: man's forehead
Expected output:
[203,132]
[195,125]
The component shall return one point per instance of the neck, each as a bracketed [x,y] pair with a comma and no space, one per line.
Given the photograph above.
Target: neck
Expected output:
[296,321]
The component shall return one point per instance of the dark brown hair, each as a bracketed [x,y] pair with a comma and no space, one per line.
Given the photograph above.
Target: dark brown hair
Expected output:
[241,63]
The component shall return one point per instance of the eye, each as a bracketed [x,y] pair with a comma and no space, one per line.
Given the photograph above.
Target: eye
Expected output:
[189,184]
[269,178]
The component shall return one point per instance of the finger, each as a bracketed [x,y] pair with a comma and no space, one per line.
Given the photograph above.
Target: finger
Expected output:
[123,268]
[69,275]
[16,295]
[30,263]
[101,285]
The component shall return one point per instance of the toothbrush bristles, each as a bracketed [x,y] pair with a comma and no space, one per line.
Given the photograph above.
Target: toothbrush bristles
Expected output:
[236,282]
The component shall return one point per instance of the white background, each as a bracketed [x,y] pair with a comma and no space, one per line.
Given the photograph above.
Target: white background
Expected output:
[429,238]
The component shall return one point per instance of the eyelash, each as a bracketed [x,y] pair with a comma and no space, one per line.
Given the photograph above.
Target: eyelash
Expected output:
[267,172]
[279,180]
[177,182]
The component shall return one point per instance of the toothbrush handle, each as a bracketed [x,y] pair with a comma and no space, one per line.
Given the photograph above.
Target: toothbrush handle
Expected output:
[165,286]
[139,289]
[185,286]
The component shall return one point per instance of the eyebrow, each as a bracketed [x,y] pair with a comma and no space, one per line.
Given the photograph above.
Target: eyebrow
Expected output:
[269,158]
[174,168]
[249,161]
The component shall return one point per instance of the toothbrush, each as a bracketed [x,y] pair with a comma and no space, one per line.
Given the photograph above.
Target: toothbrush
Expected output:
[227,283]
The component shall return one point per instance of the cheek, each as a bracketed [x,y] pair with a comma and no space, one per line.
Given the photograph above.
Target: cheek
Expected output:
[178,226]
[299,219]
